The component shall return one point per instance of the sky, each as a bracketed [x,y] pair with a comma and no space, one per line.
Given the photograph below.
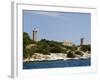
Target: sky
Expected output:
[58,26]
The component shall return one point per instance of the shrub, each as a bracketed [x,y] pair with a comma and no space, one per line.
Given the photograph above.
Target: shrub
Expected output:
[70,54]
[86,48]
[27,53]
[79,53]
[26,39]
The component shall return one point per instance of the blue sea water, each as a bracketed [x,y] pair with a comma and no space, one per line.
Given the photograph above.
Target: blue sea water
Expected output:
[57,64]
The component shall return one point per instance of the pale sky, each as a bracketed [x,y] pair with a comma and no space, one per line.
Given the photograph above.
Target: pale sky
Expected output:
[58,26]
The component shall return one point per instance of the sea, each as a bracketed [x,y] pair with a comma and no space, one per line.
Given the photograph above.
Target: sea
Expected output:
[57,63]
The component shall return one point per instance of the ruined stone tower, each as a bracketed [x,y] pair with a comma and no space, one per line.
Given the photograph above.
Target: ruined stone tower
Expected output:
[81,41]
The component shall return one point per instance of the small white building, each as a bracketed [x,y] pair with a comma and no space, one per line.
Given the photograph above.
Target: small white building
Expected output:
[67,43]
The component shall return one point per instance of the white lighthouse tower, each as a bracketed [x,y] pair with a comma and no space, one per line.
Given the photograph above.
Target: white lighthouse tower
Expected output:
[34,34]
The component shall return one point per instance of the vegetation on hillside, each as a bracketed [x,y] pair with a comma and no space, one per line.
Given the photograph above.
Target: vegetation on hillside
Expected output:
[46,47]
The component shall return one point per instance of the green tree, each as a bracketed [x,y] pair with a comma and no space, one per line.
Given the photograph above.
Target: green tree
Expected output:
[26,39]
[70,54]
[86,48]
[27,53]
[54,47]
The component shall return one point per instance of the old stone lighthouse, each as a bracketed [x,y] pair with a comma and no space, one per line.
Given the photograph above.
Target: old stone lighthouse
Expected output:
[35,34]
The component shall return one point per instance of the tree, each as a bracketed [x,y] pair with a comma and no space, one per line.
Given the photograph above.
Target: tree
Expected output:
[70,54]
[56,47]
[86,48]
[27,53]
[26,39]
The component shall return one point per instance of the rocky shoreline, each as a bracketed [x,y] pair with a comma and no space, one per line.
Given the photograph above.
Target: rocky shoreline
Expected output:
[55,56]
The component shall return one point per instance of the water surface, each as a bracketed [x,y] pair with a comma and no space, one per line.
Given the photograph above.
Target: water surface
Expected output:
[57,63]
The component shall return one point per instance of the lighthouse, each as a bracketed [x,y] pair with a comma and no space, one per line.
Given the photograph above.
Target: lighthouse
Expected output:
[34,34]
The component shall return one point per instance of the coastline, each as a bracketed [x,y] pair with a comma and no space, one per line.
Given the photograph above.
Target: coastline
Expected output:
[56,57]
[58,60]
